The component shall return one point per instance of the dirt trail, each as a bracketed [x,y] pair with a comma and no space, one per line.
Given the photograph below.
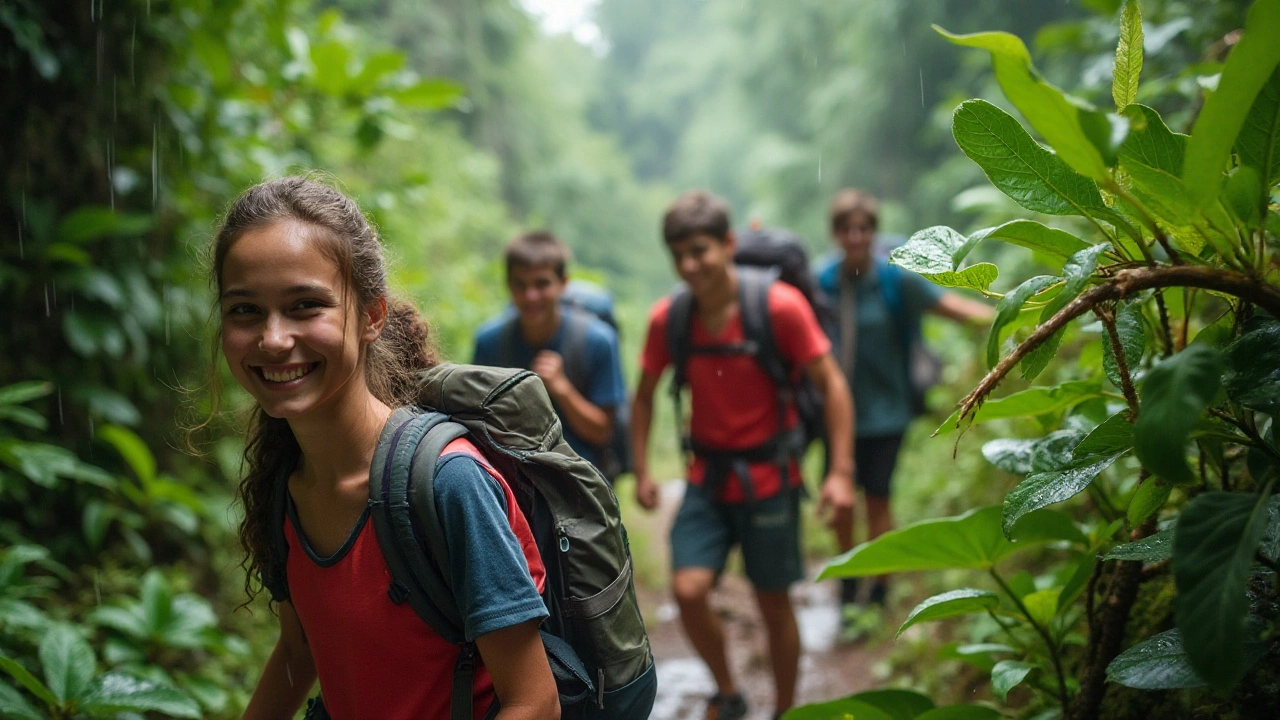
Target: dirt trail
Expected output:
[827,670]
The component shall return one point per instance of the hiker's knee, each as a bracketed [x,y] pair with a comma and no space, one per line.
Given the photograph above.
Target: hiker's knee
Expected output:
[692,586]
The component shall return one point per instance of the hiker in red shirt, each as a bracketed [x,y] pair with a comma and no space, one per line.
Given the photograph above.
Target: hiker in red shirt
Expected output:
[744,482]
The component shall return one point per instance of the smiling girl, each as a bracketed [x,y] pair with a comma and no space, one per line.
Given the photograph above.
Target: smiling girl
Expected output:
[309,330]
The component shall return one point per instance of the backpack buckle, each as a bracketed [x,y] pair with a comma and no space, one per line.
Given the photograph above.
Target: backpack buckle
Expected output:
[397,592]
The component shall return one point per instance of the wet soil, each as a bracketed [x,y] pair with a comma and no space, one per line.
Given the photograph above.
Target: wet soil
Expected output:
[828,669]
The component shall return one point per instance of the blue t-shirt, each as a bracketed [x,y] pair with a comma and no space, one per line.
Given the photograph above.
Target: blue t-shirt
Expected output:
[490,576]
[599,364]
[881,387]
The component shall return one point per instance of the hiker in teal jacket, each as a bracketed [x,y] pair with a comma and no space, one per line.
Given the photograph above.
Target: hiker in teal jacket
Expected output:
[879,310]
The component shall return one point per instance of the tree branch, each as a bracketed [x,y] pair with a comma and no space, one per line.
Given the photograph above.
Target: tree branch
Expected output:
[1124,284]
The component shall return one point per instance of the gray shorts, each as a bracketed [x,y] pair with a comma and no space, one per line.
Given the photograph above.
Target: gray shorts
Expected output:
[705,531]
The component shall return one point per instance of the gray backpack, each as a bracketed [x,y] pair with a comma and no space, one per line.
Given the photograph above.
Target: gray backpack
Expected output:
[594,638]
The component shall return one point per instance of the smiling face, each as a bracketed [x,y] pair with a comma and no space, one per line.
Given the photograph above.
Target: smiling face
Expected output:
[702,260]
[854,233]
[290,330]
[535,291]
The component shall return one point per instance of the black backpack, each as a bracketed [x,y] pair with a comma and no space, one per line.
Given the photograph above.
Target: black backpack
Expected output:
[579,304]
[763,257]
[595,637]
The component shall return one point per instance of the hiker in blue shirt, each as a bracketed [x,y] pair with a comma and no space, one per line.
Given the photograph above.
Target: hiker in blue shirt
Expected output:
[574,352]
[879,310]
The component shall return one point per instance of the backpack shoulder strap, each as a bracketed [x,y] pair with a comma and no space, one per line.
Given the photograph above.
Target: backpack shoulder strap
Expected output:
[680,334]
[753,296]
[408,534]
[576,325]
[891,291]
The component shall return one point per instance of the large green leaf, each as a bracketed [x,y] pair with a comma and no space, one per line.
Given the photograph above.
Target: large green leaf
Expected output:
[1151,142]
[1069,125]
[841,709]
[950,604]
[1252,376]
[90,222]
[897,704]
[973,540]
[1147,500]
[132,448]
[1010,455]
[116,692]
[23,392]
[1077,271]
[960,712]
[1006,675]
[1213,548]
[1032,401]
[1148,550]
[1124,84]
[1033,236]
[68,663]
[1259,142]
[1046,488]
[13,705]
[1249,66]
[1008,308]
[1174,394]
[934,252]
[1132,331]
[1113,435]
[1035,178]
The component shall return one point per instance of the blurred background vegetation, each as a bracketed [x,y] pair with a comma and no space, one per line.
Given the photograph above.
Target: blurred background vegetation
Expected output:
[128,125]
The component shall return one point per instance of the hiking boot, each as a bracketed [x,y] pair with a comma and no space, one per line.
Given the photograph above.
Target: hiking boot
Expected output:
[726,707]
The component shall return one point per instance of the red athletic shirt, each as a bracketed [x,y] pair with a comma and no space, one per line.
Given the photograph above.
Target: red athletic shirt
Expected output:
[376,659]
[734,403]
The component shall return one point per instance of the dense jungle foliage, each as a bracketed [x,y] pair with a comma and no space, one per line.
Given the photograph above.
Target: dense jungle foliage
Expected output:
[1146,400]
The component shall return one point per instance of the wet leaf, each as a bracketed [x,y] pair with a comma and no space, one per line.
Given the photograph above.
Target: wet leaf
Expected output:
[960,712]
[897,704]
[1132,332]
[1077,272]
[950,604]
[1252,376]
[932,253]
[1032,401]
[1010,455]
[1128,65]
[1033,236]
[1213,549]
[1033,177]
[1008,308]
[1046,488]
[1154,548]
[1161,661]
[68,663]
[1174,394]
[1114,435]
[1006,675]
[1259,141]
[116,692]
[1147,500]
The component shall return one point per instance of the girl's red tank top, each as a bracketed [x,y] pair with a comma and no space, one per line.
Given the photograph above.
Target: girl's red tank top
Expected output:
[376,659]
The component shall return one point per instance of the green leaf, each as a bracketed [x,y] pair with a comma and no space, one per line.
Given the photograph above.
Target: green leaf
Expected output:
[949,604]
[1132,332]
[1114,435]
[1032,401]
[332,60]
[68,663]
[24,392]
[1006,675]
[1034,236]
[1147,500]
[1258,144]
[378,66]
[13,705]
[1174,394]
[429,94]
[23,416]
[1151,142]
[1077,271]
[841,709]
[1061,120]
[960,712]
[1046,488]
[131,447]
[1154,548]
[1010,455]
[1252,376]
[1161,662]
[1008,308]
[1247,70]
[1124,86]
[92,222]
[897,704]
[1033,177]
[1042,605]
[28,681]
[973,540]
[1213,549]
[933,253]
[116,692]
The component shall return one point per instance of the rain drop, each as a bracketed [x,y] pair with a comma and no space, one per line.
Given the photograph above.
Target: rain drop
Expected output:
[60,420]
[97,588]
[46,300]
[22,251]
[819,169]
[155,163]
[921,87]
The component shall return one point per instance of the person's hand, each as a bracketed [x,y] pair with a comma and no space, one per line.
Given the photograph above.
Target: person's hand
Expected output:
[549,366]
[646,491]
[835,503]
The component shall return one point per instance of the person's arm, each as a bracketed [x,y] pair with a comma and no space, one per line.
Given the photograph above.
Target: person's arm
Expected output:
[588,420]
[521,676]
[963,310]
[641,418]
[288,676]
[837,488]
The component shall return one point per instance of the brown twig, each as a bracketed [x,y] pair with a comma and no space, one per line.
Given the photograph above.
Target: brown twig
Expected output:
[1124,284]
[1166,333]
[1108,319]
